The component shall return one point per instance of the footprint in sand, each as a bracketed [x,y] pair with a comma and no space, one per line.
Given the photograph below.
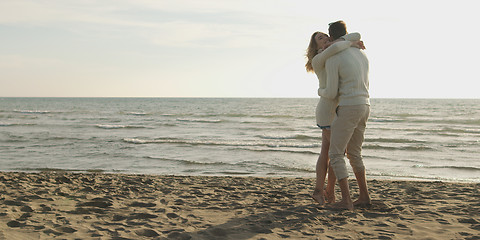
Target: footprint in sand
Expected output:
[402,226]
[142,216]
[14,224]
[443,221]
[467,220]
[26,209]
[179,236]
[172,215]
[118,217]
[66,229]
[24,217]
[51,231]
[476,227]
[13,203]
[142,204]
[146,233]
[63,179]
[97,202]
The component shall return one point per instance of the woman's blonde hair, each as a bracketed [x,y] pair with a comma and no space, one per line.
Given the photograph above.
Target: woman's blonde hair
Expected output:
[311,51]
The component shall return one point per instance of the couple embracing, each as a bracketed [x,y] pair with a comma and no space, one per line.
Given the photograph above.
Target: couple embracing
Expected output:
[342,112]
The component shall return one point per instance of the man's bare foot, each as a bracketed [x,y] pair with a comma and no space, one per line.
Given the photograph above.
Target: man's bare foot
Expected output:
[342,205]
[362,202]
[318,196]
[330,196]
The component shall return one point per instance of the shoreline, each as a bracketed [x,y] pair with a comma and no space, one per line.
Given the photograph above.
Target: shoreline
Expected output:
[311,175]
[69,205]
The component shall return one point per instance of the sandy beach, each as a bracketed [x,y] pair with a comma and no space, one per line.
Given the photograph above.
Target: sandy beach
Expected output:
[65,205]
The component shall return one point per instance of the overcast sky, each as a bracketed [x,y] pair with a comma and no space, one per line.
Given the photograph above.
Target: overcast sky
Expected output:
[227,48]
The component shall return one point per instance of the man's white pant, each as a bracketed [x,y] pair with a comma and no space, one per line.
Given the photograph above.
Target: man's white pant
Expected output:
[347,135]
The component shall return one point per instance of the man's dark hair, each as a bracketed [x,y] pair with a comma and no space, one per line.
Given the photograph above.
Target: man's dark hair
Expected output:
[337,29]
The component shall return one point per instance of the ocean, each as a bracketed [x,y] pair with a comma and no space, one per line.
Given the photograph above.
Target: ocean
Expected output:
[414,139]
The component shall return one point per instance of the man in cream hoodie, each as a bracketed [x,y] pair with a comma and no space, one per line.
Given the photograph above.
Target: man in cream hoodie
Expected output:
[347,78]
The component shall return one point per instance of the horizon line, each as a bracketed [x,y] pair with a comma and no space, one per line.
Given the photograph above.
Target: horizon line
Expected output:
[215,97]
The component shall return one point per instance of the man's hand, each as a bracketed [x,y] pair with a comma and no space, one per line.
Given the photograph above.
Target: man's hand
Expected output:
[358,44]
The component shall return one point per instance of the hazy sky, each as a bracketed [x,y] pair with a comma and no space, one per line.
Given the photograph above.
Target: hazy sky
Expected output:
[227,48]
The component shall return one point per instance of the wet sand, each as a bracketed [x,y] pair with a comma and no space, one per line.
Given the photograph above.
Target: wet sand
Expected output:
[65,205]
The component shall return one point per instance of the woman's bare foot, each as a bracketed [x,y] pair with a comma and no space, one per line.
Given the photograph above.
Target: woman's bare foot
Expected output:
[330,196]
[318,196]
[342,205]
[362,202]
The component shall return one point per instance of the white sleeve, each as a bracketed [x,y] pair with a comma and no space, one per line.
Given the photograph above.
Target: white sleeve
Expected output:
[331,91]
[352,36]
[319,60]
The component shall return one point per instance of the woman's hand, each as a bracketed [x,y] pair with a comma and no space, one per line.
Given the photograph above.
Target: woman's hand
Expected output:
[358,44]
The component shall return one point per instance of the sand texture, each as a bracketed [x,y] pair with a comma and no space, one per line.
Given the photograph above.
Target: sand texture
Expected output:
[65,205]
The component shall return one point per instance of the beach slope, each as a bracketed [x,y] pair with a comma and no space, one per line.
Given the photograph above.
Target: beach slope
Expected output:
[65,205]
